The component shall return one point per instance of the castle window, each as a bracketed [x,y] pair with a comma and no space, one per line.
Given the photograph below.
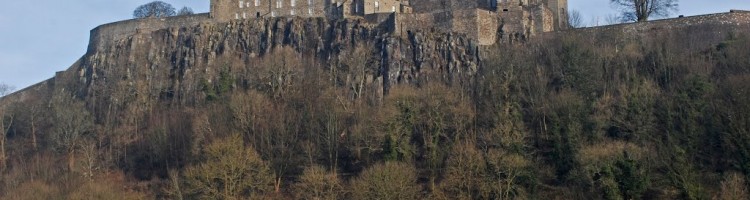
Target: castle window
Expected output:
[236,15]
[244,15]
[293,2]
[247,4]
[377,6]
[393,8]
[257,3]
[309,11]
[273,13]
[292,12]
[278,3]
[242,3]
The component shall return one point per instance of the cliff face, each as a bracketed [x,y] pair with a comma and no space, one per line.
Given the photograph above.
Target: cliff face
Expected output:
[174,62]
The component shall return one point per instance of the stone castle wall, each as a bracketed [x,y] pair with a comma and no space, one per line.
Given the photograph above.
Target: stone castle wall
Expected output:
[104,34]
[738,19]
[458,16]
[382,6]
[225,10]
[543,19]
[694,31]
[477,24]
[478,19]
[429,6]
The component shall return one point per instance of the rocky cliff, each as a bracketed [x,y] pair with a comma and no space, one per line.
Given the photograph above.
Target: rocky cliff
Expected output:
[175,62]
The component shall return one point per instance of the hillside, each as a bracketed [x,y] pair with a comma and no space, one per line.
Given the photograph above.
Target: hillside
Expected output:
[285,108]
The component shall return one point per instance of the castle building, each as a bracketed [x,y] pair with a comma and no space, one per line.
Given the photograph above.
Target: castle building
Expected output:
[478,19]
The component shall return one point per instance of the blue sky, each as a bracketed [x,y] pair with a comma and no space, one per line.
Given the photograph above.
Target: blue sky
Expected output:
[40,37]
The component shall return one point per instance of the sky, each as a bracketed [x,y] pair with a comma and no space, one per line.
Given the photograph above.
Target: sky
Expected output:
[41,37]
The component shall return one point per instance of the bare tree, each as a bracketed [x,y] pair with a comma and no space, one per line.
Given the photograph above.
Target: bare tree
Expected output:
[154,9]
[71,122]
[6,120]
[575,19]
[612,19]
[185,11]
[641,10]
[5,89]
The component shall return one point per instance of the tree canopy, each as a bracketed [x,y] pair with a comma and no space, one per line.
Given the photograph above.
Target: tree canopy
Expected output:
[641,10]
[154,9]
[185,11]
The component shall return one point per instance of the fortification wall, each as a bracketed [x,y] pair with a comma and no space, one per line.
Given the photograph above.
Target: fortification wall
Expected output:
[739,20]
[543,19]
[418,21]
[477,24]
[488,24]
[38,90]
[225,10]
[695,33]
[431,6]
[382,6]
[379,18]
[107,33]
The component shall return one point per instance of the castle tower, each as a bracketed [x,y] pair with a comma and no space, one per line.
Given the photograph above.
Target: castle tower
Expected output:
[560,13]
[221,9]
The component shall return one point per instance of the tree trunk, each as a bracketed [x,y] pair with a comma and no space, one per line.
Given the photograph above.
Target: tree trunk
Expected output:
[2,151]
[33,133]
[277,186]
[71,160]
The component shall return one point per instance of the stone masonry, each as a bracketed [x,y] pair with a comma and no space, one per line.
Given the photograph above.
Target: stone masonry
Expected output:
[480,20]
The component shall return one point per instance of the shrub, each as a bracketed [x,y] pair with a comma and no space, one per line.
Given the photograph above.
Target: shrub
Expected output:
[316,183]
[733,187]
[392,180]
[230,171]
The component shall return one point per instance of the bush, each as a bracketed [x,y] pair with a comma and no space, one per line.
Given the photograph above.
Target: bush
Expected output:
[230,171]
[392,180]
[733,187]
[317,183]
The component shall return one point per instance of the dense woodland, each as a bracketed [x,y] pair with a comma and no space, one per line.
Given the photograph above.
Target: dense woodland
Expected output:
[566,118]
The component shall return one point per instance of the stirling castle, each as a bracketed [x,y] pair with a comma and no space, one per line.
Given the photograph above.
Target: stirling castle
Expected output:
[480,20]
